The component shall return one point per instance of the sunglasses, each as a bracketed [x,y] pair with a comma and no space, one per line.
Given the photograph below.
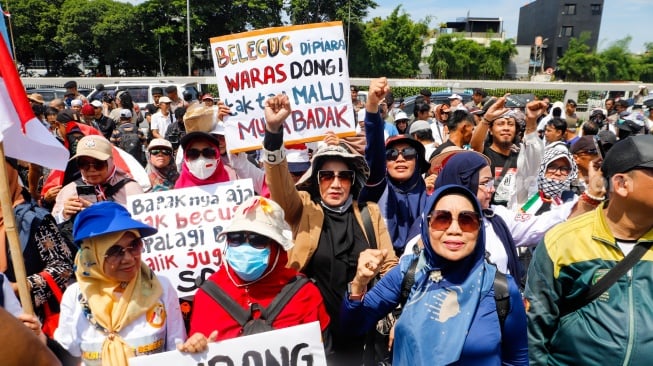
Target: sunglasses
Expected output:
[468,221]
[95,164]
[116,253]
[328,176]
[165,152]
[207,152]
[409,153]
[257,241]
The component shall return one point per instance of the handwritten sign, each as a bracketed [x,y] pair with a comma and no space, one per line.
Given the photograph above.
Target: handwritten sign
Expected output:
[189,220]
[306,62]
[294,346]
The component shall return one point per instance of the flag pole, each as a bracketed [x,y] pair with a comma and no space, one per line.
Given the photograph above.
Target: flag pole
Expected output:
[12,237]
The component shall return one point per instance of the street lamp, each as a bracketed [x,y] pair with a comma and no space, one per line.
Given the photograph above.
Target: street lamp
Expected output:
[188,34]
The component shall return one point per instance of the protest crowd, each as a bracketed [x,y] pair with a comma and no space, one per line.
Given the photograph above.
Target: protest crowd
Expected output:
[484,233]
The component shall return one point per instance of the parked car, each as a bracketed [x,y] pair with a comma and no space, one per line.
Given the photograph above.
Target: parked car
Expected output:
[437,98]
[52,93]
[141,91]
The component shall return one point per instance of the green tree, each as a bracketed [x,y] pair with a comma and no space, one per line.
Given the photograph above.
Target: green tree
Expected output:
[394,45]
[442,60]
[646,63]
[316,11]
[620,64]
[579,63]
[34,22]
[497,56]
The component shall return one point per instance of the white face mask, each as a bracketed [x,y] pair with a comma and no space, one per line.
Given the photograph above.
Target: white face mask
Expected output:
[202,167]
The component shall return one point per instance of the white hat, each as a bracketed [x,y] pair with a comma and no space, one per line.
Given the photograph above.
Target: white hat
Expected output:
[262,216]
[165,100]
[455,96]
[400,116]
[96,103]
[76,103]
[95,146]
[125,113]
[159,143]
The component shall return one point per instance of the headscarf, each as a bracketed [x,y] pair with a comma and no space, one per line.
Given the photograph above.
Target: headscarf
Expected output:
[139,295]
[15,194]
[404,201]
[550,187]
[463,169]
[445,296]
[162,179]
[186,179]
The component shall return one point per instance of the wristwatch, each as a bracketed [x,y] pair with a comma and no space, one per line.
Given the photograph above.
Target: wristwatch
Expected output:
[352,296]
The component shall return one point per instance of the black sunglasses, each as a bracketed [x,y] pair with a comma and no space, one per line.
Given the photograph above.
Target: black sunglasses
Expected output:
[330,175]
[161,151]
[95,164]
[207,152]
[257,241]
[409,153]
[468,221]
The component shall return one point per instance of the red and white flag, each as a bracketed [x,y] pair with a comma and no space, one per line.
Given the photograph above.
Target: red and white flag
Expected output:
[24,137]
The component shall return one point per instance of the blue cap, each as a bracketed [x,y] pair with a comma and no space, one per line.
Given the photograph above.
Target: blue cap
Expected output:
[105,218]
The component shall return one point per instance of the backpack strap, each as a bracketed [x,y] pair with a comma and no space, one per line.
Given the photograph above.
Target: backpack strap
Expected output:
[111,190]
[409,278]
[235,310]
[501,297]
[280,301]
[367,224]
[2,293]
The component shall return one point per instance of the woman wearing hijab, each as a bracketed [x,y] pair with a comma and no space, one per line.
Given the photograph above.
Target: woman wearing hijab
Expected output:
[202,162]
[255,272]
[396,168]
[450,317]
[327,223]
[161,168]
[118,308]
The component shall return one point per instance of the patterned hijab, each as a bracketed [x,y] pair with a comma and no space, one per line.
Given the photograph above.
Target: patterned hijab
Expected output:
[162,179]
[550,187]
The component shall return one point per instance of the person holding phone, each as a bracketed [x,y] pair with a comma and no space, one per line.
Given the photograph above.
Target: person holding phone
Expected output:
[101,180]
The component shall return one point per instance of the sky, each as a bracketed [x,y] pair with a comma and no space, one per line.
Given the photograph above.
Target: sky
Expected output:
[620,17]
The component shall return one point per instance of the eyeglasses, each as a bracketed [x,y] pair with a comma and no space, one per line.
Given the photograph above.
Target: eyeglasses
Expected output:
[116,253]
[257,241]
[207,152]
[487,185]
[165,152]
[563,169]
[468,221]
[409,153]
[328,176]
[95,164]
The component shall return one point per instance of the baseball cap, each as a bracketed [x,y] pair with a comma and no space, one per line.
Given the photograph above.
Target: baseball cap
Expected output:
[262,216]
[96,104]
[94,146]
[76,103]
[125,113]
[628,154]
[583,144]
[401,115]
[165,100]
[105,218]
[159,143]
[455,96]
[88,110]
[607,138]
[419,125]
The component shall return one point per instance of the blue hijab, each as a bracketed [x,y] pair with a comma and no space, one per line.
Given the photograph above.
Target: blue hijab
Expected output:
[404,200]
[463,169]
[438,315]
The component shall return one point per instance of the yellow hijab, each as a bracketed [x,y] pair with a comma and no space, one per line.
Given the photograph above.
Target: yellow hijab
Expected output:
[112,312]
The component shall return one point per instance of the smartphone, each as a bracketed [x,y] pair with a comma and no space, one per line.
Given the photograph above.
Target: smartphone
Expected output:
[599,147]
[87,192]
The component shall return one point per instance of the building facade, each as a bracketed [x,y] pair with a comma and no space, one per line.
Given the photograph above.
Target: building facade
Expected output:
[556,22]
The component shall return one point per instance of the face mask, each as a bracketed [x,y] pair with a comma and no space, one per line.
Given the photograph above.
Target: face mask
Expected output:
[202,167]
[248,262]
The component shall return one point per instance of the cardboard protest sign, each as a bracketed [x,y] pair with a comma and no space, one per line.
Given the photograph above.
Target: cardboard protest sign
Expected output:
[294,346]
[306,62]
[189,221]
